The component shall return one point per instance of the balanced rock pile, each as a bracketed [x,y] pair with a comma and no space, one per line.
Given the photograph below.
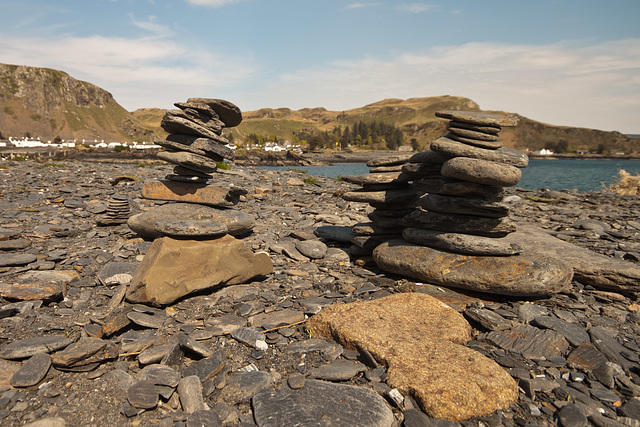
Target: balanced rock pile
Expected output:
[463,176]
[456,234]
[386,188]
[195,247]
[118,211]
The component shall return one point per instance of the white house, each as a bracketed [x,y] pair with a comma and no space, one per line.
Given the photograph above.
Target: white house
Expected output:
[543,152]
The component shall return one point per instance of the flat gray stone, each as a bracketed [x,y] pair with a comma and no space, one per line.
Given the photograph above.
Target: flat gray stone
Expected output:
[461,243]
[338,370]
[421,170]
[11,245]
[177,122]
[207,368]
[590,268]
[451,148]
[276,318]
[108,275]
[524,274]
[148,321]
[12,260]
[471,133]
[32,371]
[389,197]
[604,339]
[248,336]
[236,222]
[465,224]
[454,187]
[189,160]
[180,228]
[489,145]
[161,375]
[531,342]
[143,394]
[488,129]
[28,347]
[214,149]
[488,319]
[320,403]
[226,324]
[202,418]
[429,156]
[462,205]
[573,333]
[335,233]
[248,383]
[479,118]
[481,171]
[377,178]
[370,229]
[228,112]
[313,249]
[389,161]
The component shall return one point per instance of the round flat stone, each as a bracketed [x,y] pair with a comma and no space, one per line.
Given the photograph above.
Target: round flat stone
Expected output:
[143,394]
[451,148]
[490,145]
[479,118]
[314,249]
[190,228]
[481,171]
[461,243]
[527,274]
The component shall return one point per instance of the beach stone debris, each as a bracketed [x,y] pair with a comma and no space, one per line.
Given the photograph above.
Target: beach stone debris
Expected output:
[420,341]
[206,368]
[12,245]
[526,274]
[172,269]
[338,370]
[333,404]
[146,224]
[313,249]
[12,260]
[32,371]
[84,353]
[458,223]
[531,342]
[38,285]
[143,394]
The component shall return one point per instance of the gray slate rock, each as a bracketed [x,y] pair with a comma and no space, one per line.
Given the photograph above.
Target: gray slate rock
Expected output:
[32,371]
[488,319]
[228,112]
[481,171]
[571,331]
[570,415]
[335,233]
[204,418]
[189,160]
[190,229]
[313,249]
[465,224]
[489,145]
[421,170]
[532,342]
[462,205]
[146,320]
[429,156]
[190,392]
[604,339]
[160,375]
[248,336]
[451,148]
[455,187]
[471,133]
[214,149]
[206,368]
[479,118]
[143,394]
[11,245]
[319,403]
[338,370]
[12,260]
[31,346]
[176,122]
[461,243]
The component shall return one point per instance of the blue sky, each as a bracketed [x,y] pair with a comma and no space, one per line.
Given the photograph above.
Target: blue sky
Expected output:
[564,62]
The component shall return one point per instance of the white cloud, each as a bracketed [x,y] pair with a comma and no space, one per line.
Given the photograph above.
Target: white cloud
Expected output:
[360,5]
[415,7]
[152,26]
[594,86]
[213,3]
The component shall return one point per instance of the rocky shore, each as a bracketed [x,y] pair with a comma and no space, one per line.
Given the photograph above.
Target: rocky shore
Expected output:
[267,352]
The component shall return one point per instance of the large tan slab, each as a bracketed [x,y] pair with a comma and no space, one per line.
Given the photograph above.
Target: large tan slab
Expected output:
[172,269]
[193,193]
[420,340]
[590,268]
[527,274]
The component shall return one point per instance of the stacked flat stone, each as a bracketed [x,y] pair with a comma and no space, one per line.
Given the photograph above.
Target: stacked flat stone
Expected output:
[462,179]
[194,145]
[387,189]
[118,211]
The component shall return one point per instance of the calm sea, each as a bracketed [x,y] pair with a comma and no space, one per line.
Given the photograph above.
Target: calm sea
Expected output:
[583,175]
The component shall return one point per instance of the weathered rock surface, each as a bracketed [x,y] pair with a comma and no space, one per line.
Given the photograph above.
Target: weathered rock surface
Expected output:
[173,268]
[416,336]
[193,193]
[481,171]
[461,243]
[455,223]
[479,118]
[527,274]
[451,148]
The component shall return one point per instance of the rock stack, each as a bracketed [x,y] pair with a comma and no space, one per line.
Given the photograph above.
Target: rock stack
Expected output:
[386,188]
[463,177]
[117,212]
[194,248]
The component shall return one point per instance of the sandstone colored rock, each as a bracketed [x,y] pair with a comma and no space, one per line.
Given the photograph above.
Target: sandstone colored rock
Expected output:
[38,285]
[481,171]
[236,222]
[420,340]
[450,148]
[527,274]
[461,243]
[225,196]
[172,269]
[479,118]
[590,268]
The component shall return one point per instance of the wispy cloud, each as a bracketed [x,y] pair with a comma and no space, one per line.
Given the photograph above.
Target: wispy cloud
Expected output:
[361,5]
[213,3]
[590,86]
[415,7]
[152,26]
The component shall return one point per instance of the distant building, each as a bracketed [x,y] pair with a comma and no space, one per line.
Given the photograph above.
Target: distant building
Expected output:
[405,148]
[543,152]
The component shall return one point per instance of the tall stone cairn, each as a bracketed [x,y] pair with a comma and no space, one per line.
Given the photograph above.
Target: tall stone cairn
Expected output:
[461,181]
[387,189]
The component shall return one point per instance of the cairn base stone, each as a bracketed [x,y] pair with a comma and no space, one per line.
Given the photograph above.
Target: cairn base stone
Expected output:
[420,340]
[527,274]
[172,269]
[466,244]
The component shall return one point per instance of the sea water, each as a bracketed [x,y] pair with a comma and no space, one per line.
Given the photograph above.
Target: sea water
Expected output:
[583,175]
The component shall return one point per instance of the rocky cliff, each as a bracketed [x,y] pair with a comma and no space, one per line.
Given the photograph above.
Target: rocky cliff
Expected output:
[46,103]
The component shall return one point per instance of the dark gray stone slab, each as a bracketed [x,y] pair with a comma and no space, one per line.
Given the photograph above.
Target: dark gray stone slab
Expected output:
[575,334]
[190,392]
[480,171]
[11,245]
[248,336]
[12,260]
[108,275]
[143,394]
[421,170]
[32,371]
[31,346]
[338,370]
[161,375]
[489,145]
[207,368]
[228,112]
[429,157]
[204,418]
[461,243]
[471,133]
[462,205]
[479,118]
[488,319]
[531,342]
[336,233]
[451,148]
[389,161]
[604,339]
[465,224]
[586,356]
[319,403]
[189,160]
[455,187]
[148,321]
[214,149]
